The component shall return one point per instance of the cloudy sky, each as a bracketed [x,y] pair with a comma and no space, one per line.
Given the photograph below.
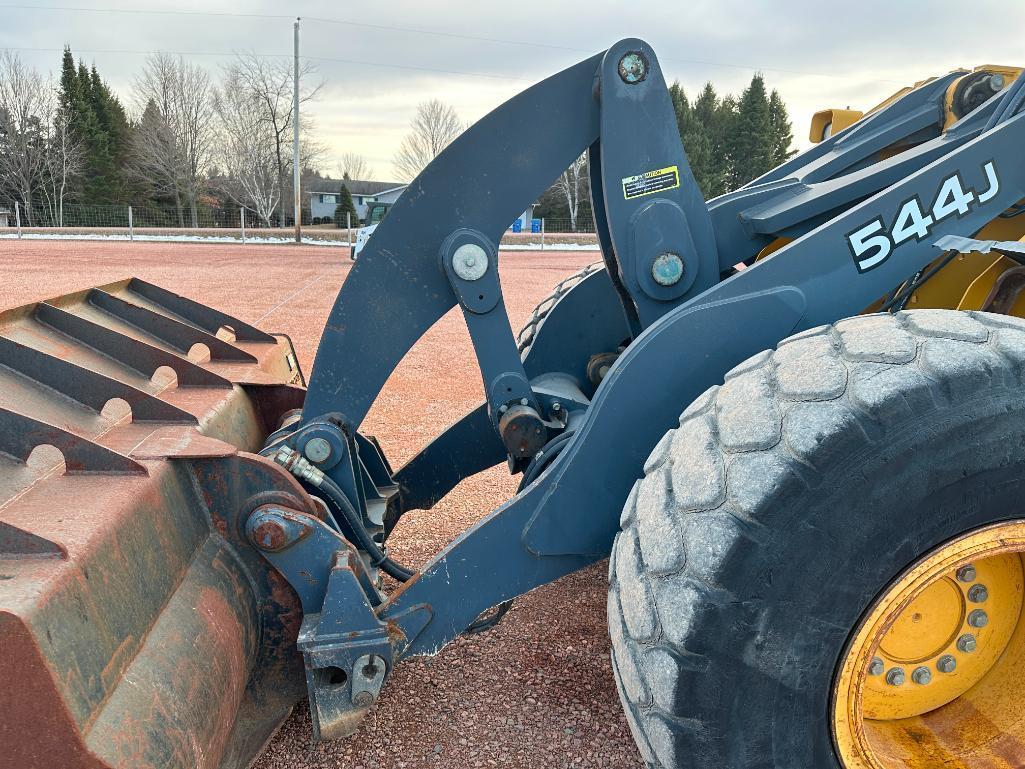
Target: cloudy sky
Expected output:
[379,59]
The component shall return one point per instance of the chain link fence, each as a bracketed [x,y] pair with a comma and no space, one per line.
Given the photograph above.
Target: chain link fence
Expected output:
[148,222]
[233,224]
[582,224]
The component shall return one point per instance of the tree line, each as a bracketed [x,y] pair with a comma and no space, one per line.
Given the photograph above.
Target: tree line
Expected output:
[191,142]
[729,141]
[197,142]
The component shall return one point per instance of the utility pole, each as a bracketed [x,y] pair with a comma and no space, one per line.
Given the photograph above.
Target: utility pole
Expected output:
[295,137]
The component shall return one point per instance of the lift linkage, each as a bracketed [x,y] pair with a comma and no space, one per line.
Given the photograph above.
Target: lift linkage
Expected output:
[669,308]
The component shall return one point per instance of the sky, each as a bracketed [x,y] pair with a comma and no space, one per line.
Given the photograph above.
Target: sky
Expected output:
[377,61]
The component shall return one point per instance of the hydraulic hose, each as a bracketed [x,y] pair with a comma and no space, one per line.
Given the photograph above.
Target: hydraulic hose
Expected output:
[298,466]
[362,537]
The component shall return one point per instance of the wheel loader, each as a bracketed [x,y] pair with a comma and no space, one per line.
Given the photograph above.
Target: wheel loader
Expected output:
[791,417]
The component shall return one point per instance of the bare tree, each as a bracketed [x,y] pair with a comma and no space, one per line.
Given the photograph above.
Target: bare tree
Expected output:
[354,166]
[153,157]
[246,148]
[63,158]
[572,185]
[434,126]
[173,153]
[24,100]
[270,82]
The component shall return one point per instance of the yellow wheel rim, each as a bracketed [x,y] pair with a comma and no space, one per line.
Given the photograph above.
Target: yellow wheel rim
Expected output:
[933,676]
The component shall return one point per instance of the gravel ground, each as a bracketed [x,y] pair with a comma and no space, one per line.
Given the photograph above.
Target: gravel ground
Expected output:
[537,691]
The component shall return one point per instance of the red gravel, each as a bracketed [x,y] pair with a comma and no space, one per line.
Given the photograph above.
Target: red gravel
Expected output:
[537,691]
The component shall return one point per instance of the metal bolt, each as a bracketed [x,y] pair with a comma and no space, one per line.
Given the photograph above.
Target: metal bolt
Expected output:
[876,667]
[946,663]
[667,269]
[996,82]
[470,261]
[633,67]
[978,618]
[895,677]
[921,675]
[363,699]
[502,409]
[978,594]
[524,401]
[966,643]
[966,573]
[317,450]
[556,406]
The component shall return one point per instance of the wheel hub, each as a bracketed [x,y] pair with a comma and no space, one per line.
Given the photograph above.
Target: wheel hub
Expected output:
[931,675]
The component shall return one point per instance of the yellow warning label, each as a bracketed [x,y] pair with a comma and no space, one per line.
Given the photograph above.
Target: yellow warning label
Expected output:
[653,181]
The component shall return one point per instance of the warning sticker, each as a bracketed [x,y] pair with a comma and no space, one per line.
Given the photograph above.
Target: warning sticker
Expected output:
[653,181]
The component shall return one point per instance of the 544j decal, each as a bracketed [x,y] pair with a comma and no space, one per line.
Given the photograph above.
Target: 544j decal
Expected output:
[873,243]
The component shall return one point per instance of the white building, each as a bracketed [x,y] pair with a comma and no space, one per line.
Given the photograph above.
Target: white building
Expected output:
[324,198]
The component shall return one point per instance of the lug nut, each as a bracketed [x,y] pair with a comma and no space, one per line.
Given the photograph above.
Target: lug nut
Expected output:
[978,618]
[966,643]
[946,663]
[966,573]
[978,594]
[921,675]
[876,667]
[895,677]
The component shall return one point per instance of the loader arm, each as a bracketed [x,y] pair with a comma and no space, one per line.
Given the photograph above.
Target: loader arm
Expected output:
[863,218]
[396,291]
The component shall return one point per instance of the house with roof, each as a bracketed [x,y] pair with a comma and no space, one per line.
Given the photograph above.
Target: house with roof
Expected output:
[324,197]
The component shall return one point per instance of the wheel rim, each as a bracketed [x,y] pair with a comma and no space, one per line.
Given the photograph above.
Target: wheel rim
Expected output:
[933,674]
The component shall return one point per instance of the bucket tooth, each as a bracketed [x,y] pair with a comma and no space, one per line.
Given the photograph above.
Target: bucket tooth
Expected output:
[127,350]
[87,387]
[20,434]
[174,333]
[197,314]
[18,543]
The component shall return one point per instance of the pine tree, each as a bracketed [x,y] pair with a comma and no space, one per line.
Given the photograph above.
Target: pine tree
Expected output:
[751,138]
[782,133]
[345,206]
[70,94]
[98,122]
[717,116]
[113,124]
[696,141]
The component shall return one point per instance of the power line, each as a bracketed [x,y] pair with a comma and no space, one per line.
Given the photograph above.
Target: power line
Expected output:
[435,33]
[271,56]
[145,11]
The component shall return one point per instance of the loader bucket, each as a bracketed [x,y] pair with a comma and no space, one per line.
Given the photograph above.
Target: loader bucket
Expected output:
[136,628]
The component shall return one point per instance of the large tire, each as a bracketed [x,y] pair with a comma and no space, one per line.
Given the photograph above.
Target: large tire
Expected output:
[787,499]
[526,336]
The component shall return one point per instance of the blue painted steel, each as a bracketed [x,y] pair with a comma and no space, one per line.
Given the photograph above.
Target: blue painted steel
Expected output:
[517,150]
[644,225]
[569,517]
[586,319]
[680,341]
[810,189]
[483,306]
